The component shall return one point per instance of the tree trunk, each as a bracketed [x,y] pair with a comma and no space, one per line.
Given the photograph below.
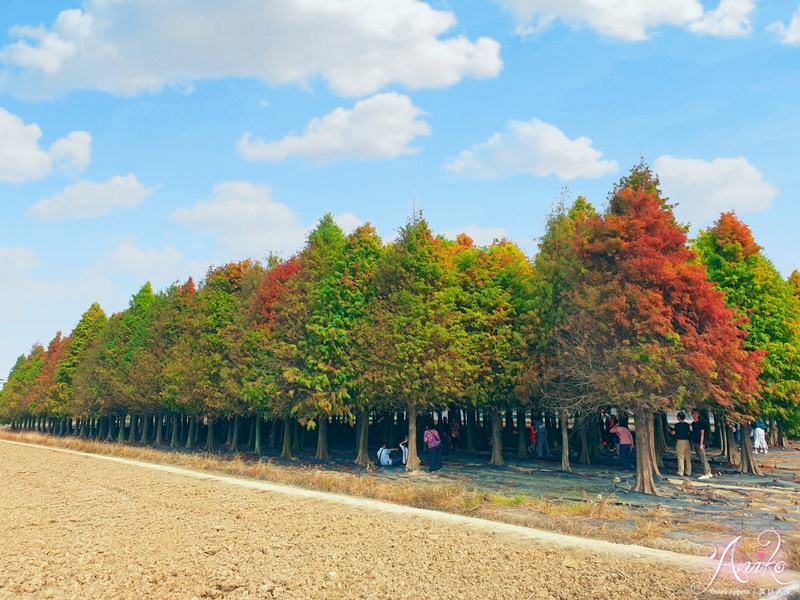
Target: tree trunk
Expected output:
[173,438]
[298,431]
[497,440]
[732,448]
[121,431]
[413,458]
[322,438]
[645,467]
[145,430]
[286,449]
[471,432]
[773,433]
[234,444]
[565,466]
[508,431]
[723,425]
[251,437]
[748,463]
[651,433]
[210,435]
[522,438]
[257,435]
[362,458]
[132,432]
[190,435]
[586,458]
[273,434]
[159,429]
[660,442]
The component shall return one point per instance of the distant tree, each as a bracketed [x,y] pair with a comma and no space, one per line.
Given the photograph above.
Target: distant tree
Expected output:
[411,344]
[649,330]
[558,265]
[77,347]
[768,311]
[495,284]
[15,397]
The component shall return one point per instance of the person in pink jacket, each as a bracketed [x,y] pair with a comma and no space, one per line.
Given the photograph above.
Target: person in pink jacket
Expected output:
[625,443]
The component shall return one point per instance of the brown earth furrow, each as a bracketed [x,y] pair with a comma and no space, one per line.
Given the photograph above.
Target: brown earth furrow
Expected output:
[73,526]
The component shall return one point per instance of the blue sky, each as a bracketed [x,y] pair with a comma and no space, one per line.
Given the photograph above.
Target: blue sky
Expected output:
[147,140]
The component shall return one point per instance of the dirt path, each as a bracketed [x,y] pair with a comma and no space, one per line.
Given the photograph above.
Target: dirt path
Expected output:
[81,526]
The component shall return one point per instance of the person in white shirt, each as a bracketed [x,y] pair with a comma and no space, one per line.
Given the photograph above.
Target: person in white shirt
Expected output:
[404,448]
[384,457]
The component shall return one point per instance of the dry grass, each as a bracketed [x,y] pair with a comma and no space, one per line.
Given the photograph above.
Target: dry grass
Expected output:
[601,517]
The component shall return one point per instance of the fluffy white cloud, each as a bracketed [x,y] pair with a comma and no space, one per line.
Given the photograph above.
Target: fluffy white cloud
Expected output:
[379,127]
[531,148]
[89,199]
[632,20]
[357,46]
[22,159]
[246,220]
[74,152]
[157,266]
[482,236]
[348,222]
[730,19]
[787,34]
[703,189]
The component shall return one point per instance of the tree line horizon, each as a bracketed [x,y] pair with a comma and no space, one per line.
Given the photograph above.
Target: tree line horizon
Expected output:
[617,309]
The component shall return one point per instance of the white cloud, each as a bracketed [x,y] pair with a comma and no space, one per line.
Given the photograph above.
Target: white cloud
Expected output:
[531,148]
[730,19]
[788,35]
[74,152]
[348,222]
[482,236]
[632,20]
[246,220]
[703,189]
[89,199]
[158,266]
[379,127]
[357,46]
[22,159]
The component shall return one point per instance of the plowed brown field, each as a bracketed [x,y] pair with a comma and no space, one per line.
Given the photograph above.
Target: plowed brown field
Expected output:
[75,526]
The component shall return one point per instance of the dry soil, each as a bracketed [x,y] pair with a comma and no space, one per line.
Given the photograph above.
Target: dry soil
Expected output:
[74,526]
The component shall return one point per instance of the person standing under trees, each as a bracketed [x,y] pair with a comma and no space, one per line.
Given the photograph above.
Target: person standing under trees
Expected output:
[404,448]
[625,444]
[542,447]
[455,431]
[681,431]
[760,438]
[434,443]
[697,440]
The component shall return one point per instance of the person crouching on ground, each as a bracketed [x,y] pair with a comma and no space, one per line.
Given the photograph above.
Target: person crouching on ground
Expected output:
[625,444]
[681,432]
[385,459]
[434,443]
